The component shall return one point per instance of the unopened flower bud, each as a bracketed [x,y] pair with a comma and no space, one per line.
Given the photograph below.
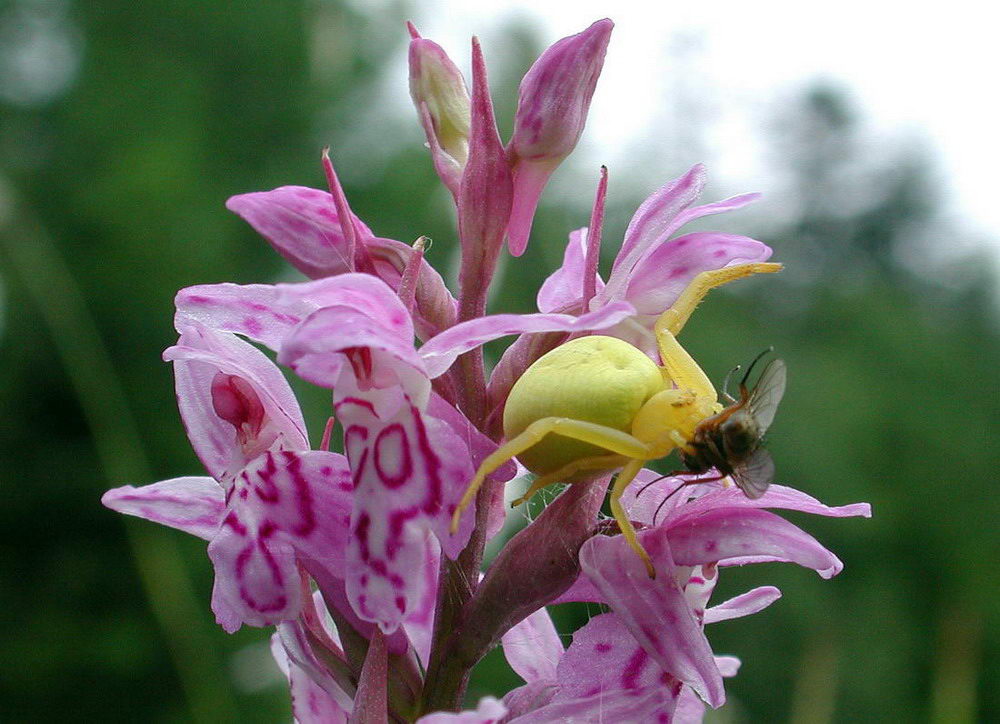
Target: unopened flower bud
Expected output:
[442,100]
[551,112]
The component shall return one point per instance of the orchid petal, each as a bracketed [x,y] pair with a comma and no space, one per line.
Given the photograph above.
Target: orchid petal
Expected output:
[418,626]
[199,356]
[267,313]
[654,610]
[555,94]
[441,351]
[317,351]
[690,709]
[526,699]
[298,650]
[745,604]
[282,503]
[311,703]
[489,711]
[716,207]
[652,222]
[660,277]
[724,533]
[404,489]
[563,289]
[606,676]
[533,648]
[529,180]
[302,225]
[777,496]
[193,505]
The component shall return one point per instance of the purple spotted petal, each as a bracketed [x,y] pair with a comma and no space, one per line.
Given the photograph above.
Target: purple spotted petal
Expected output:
[266,313]
[409,471]
[563,289]
[311,703]
[745,604]
[653,222]
[489,711]
[282,503]
[193,505]
[302,225]
[439,353]
[201,354]
[533,648]
[746,533]
[606,676]
[654,610]
[661,276]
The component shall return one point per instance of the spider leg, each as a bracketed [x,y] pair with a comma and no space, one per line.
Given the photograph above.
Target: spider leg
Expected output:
[625,477]
[598,462]
[677,316]
[615,441]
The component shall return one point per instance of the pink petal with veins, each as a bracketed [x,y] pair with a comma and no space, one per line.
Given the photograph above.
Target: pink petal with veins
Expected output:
[660,277]
[199,356]
[653,222]
[441,351]
[728,533]
[655,611]
[606,676]
[302,225]
[409,470]
[193,505]
[267,313]
[283,503]
[311,703]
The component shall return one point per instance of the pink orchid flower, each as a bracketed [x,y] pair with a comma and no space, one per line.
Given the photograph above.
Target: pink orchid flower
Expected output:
[270,500]
[721,527]
[353,334]
[651,268]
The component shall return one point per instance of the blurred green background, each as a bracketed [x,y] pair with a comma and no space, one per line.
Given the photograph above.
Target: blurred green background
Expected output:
[124,127]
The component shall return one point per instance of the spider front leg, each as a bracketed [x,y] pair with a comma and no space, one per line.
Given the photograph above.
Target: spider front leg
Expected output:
[674,319]
[615,441]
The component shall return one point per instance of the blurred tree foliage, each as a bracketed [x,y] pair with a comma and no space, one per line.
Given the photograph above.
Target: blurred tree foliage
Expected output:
[170,107]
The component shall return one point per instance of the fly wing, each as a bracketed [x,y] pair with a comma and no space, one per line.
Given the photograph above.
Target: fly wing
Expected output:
[766,396]
[755,474]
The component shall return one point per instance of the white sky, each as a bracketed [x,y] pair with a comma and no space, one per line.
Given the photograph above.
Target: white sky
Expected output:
[928,70]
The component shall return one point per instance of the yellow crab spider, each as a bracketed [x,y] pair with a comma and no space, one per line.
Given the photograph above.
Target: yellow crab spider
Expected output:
[597,404]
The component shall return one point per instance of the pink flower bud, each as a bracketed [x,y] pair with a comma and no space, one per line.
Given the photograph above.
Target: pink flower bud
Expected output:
[551,112]
[442,100]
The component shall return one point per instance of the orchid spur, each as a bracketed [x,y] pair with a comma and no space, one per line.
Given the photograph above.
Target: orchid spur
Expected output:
[369,562]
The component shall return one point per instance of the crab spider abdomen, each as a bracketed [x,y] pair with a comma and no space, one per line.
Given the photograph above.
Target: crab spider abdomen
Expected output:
[595,379]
